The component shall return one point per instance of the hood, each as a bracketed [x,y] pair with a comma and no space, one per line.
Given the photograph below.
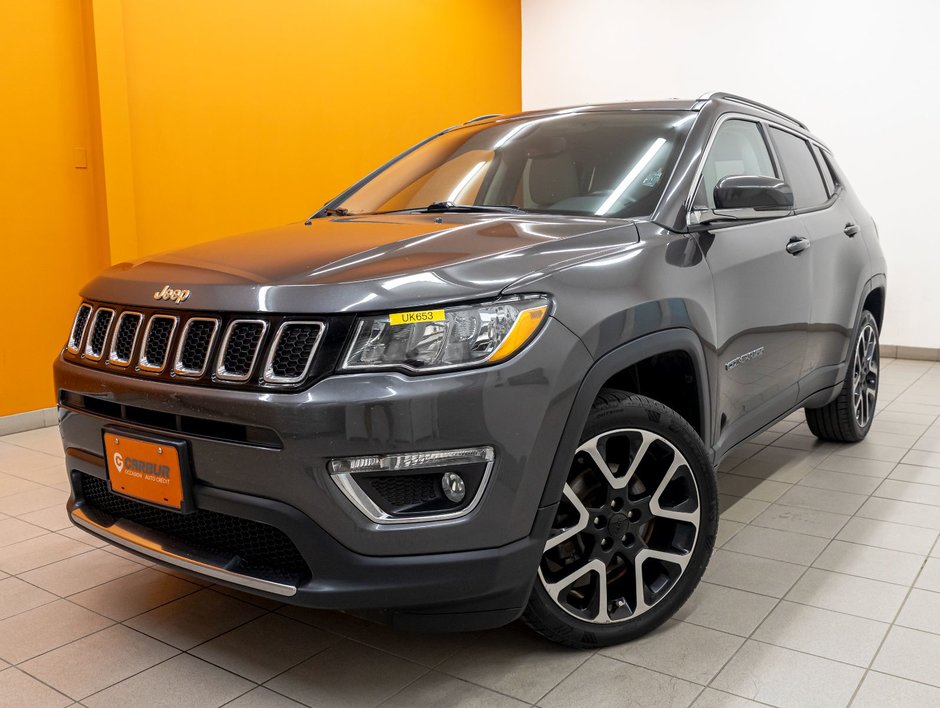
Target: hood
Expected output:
[363,263]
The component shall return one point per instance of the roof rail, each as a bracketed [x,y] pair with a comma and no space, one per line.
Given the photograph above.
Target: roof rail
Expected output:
[748,102]
[484,117]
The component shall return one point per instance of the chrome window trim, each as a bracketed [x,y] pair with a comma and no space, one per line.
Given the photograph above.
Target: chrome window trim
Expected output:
[347,484]
[269,375]
[220,371]
[89,354]
[142,361]
[178,367]
[112,354]
[74,345]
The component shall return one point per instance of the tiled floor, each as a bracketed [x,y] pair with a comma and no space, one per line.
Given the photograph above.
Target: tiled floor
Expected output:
[825,591]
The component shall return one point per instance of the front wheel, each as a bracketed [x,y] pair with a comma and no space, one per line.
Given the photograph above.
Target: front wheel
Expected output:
[849,417]
[634,530]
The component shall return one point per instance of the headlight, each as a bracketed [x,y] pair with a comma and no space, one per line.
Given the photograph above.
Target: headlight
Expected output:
[447,338]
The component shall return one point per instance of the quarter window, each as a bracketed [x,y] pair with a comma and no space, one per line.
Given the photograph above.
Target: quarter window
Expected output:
[800,169]
[738,149]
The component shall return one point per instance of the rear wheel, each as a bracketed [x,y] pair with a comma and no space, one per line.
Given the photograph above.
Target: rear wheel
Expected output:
[849,417]
[634,529]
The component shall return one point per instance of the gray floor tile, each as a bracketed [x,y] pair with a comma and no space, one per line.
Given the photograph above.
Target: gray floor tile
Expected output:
[869,562]
[925,458]
[19,690]
[929,578]
[262,697]
[133,594]
[870,451]
[78,573]
[277,643]
[857,466]
[16,530]
[910,491]
[740,509]
[195,618]
[97,661]
[882,691]
[726,609]
[910,654]
[181,681]
[863,597]
[336,677]
[601,682]
[751,487]
[711,698]
[726,531]
[39,551]
[783,677]
[778,545]
[884,534]
[915,473]
[806,521]
[515,662]
[44,628]
[679,649]
[45,440]
[55,518]
[840,481]
[901,512]
[921,611]
[32,500]
[833,635]
[17,596]
[752,573]
[436,689]
[822,500]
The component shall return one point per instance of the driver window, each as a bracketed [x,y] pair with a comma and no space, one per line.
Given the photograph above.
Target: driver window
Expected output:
[738,149]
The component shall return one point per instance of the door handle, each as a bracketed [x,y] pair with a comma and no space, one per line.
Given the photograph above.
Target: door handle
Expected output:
[797,244]
[851,230]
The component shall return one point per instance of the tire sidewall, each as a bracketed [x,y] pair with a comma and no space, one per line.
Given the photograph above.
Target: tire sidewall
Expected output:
[645,414]
[866,319]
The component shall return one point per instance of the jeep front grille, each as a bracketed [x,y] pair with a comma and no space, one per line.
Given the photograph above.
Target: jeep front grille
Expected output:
[260,352]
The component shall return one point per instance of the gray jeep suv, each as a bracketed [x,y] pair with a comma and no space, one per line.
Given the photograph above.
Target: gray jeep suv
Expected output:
[492,379]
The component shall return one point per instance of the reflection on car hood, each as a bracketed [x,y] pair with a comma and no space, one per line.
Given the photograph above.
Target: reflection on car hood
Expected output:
[363,263]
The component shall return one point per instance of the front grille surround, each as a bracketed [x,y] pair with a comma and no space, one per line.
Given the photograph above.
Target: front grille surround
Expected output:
[79,325]
[122,350]
[295,350]
[271,365]
[185,348]
[98,333]
[147,361]
[224,369]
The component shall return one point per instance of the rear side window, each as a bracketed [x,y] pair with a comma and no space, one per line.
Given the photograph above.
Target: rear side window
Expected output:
[738,149]
[827,175]
[800,169]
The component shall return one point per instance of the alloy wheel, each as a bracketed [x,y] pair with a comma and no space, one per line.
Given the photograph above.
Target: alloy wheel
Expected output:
[626,527]
[865,375]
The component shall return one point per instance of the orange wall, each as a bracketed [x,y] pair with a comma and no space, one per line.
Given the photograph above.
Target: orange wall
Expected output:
[48,225]
[209,118]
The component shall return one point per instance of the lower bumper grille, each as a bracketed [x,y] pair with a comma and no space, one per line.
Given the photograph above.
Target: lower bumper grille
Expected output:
[262,550]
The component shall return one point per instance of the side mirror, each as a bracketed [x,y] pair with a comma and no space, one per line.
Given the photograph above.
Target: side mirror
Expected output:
[753,192]
[745,198]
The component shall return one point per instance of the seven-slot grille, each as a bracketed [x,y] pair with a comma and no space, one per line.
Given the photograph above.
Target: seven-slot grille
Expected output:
[195,347]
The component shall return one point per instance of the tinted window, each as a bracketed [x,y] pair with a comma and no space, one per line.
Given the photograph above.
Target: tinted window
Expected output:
[612,163]
[738,149]
[800,170]
[826,172]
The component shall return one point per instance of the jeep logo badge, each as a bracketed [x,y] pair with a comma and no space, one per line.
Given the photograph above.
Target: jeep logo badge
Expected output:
[173,294]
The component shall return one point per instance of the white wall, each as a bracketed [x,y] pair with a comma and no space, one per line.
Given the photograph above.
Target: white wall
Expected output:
[865,77]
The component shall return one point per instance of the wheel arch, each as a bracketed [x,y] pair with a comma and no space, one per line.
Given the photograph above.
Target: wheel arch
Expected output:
[605,369]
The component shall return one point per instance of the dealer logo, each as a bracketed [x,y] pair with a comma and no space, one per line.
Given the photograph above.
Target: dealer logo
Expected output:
[119,461]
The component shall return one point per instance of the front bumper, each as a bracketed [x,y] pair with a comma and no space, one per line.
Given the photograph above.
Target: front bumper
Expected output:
[482,563]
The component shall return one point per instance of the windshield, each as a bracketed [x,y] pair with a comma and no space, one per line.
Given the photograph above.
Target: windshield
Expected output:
[612,164]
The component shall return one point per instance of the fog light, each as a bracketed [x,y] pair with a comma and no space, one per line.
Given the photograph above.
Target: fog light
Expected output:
[454,488]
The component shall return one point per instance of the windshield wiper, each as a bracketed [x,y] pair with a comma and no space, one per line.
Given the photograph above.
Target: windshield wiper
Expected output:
[327,211]
[442,207]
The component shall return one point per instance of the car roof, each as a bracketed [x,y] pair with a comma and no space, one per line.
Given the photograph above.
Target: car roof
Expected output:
[721,99]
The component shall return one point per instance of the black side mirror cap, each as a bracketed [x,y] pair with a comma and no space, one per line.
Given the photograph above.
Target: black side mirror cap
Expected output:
[753,192]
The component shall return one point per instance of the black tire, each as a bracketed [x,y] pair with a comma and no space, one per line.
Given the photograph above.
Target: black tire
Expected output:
[840,420]
[622,414]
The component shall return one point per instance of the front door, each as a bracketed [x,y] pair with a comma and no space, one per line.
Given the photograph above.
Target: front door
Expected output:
[763,293]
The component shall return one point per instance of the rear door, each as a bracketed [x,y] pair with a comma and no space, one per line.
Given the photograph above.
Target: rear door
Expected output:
[762,292]
[838,257]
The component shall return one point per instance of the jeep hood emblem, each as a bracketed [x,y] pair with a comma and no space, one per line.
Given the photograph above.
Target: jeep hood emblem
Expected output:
[173,294]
